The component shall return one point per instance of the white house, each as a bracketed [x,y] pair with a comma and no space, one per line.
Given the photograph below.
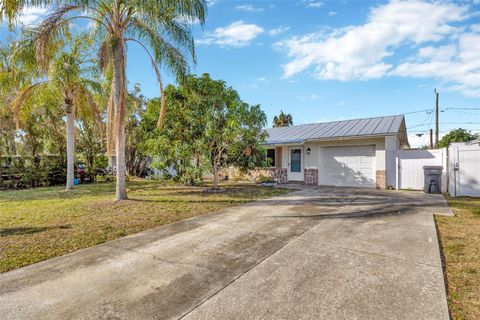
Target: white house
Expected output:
[360,152]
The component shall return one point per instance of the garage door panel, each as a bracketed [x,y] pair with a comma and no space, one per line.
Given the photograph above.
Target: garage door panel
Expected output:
[347,166]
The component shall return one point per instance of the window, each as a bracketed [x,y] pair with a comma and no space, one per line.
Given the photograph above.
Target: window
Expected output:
[271,156]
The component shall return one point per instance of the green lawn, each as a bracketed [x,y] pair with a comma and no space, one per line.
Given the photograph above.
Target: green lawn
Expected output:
[39,224]
[460,241]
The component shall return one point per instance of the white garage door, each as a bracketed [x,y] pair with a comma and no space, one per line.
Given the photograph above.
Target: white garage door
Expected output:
[347,166]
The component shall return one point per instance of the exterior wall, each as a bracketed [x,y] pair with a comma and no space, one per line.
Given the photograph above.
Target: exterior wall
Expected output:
[391,147]
[380,179]
[311,177]
[311,161]
[285,157]
[278,157]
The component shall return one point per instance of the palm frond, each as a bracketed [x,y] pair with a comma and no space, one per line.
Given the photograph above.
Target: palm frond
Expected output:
[52,27]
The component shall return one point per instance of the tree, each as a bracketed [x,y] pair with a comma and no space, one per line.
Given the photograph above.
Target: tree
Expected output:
[283,120]
[64,69]
[161,26]
[456,135]
[180,143]
[136,136]
[207,127]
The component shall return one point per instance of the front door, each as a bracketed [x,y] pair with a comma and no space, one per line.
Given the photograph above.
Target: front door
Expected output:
[295,164]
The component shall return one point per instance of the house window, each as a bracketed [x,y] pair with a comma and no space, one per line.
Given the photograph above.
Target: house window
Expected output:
[271,156]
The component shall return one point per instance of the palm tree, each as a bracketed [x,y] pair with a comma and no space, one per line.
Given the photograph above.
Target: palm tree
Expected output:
[283,120]
[161,27]
[66,78]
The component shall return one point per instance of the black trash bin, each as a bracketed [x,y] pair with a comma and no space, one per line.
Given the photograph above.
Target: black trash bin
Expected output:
[433,179]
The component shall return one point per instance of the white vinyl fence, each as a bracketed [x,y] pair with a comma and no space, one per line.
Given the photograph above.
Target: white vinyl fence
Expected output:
[464,173]
[410,165]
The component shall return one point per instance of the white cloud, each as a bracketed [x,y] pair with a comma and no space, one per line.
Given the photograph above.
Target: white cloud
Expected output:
[276,31]
[363,51]
[313,4]
[248,7]
[237,34]
[309,97]
[31,16]
[332,13]
[457,65]
[262,79]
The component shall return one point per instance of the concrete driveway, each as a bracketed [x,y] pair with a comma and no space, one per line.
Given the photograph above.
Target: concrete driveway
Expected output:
[322,253]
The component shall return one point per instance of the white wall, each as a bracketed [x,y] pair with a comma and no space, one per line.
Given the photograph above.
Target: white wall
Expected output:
[391,147]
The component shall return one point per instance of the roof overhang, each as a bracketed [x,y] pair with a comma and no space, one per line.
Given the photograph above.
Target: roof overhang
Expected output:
[346,138]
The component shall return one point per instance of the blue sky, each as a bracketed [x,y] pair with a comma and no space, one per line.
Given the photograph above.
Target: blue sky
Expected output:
[330,60]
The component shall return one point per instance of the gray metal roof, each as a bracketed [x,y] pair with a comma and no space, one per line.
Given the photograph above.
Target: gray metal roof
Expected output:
[379,126]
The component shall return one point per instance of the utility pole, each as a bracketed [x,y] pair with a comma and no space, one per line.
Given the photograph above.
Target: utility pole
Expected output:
[431,138]
[436,118]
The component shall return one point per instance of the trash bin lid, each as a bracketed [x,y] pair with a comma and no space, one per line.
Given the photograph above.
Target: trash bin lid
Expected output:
[432,167]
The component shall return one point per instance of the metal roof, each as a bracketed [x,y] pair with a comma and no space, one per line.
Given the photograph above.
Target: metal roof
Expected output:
[379,126]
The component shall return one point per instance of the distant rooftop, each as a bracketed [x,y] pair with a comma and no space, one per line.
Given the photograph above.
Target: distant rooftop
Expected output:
[379,126]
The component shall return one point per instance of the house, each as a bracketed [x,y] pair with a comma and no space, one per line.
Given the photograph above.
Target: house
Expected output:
[359,153]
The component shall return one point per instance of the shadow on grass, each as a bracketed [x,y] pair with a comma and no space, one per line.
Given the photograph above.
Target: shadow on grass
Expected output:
[28,230]
[188,200]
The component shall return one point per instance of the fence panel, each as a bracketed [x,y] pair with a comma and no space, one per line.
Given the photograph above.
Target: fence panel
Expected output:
[410,167]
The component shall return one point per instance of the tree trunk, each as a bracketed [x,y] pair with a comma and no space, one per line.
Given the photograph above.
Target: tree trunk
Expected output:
[119,90]
[110,130]
[215,175]
[12,146]
[70,129]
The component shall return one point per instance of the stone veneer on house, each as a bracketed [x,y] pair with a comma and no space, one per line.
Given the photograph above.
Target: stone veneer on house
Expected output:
[281,175]
[311,176]
[380,179]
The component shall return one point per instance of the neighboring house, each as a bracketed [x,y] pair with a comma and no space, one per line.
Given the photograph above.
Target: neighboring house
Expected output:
[359,153]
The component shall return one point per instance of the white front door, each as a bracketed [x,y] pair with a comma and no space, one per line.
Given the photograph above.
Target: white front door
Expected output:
[347,166]
[295,164]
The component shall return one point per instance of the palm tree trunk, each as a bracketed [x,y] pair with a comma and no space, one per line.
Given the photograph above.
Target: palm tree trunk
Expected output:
[70,131]
[119,91]
[110,130]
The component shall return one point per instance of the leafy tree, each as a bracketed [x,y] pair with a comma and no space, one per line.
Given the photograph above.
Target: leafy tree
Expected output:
[179,144]
[162,28]
[136,136]
[283,120]
[208,126]
[456,135]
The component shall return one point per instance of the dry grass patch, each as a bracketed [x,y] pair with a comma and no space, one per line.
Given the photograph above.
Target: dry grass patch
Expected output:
[39,224]
[460,241]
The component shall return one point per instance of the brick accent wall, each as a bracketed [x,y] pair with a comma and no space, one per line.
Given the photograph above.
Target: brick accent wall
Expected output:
[380,179]
[311,176]
[280,175]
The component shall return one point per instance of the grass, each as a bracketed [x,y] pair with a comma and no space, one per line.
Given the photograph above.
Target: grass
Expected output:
[39,224]
[460,241]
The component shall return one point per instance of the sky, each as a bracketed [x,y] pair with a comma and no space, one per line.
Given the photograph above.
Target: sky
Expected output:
[335,60]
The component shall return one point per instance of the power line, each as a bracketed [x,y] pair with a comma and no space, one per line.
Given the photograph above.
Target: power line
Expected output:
[419,111]
[472,122]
